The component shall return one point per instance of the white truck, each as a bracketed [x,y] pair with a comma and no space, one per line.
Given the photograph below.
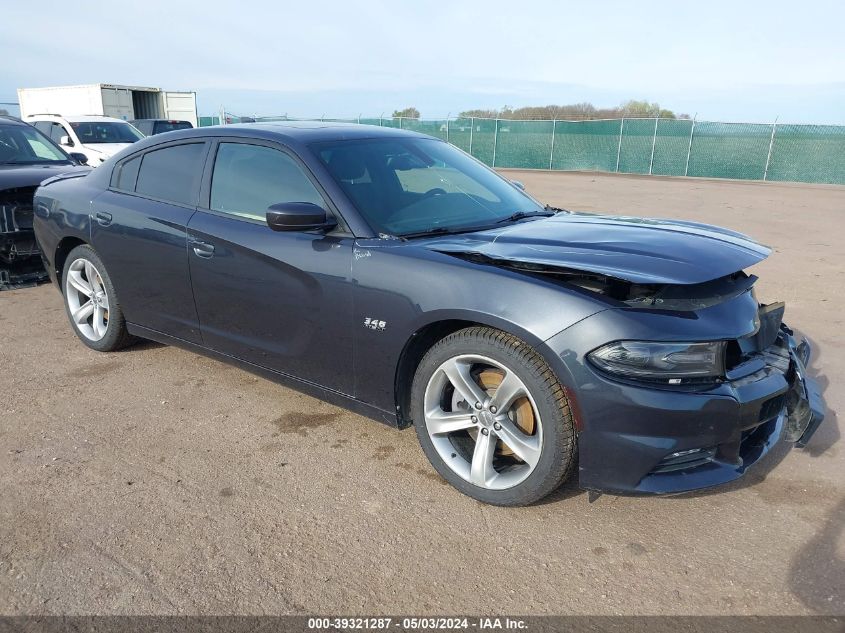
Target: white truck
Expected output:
[121,102]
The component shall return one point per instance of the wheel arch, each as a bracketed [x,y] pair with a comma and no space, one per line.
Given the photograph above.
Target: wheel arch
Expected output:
[63,249]
[438,328]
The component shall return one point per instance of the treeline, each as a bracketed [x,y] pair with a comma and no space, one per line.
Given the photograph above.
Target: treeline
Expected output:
[578,111]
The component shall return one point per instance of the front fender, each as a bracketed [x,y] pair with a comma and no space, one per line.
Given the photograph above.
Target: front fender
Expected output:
[402,289]
[60,211]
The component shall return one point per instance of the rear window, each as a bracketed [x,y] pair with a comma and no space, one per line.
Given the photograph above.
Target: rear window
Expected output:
[171,173]
[168,126]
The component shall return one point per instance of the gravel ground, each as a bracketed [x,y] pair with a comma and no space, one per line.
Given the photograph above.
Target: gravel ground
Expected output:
[155,481]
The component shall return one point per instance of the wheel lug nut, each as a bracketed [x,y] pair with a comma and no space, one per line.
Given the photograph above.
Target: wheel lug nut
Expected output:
[485,431]
[492,409]
[477,405]
[497,427]
[474,420]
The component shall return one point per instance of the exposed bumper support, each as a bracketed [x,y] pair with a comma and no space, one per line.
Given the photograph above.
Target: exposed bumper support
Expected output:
[804,404]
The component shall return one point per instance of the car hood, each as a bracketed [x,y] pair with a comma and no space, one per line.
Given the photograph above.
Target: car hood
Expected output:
[107,149]
[638,250]
[12,176]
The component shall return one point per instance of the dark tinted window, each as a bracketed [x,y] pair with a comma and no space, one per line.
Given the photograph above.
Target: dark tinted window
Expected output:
[126,174]
[171,173]
[410,185]
[249,178]
[142,126]
[168,126]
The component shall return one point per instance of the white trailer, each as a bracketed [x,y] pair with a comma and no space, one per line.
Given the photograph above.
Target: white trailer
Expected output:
[120,102]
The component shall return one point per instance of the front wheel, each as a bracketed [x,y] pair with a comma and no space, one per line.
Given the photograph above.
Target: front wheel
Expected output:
[492,418]
[91,302]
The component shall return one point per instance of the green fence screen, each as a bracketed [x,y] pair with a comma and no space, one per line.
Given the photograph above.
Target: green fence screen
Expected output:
[665,147]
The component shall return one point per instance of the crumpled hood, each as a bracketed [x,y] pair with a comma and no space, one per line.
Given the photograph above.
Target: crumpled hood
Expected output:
[638,250]
[13,176]
[107,149]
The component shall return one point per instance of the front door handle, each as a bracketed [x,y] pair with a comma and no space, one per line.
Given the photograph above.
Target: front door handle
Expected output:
[103,218]
[202,249]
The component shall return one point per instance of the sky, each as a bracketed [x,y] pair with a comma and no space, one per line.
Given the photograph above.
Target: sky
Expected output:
[727,61]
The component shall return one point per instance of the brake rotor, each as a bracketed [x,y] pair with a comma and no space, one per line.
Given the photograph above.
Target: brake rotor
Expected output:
[521,411]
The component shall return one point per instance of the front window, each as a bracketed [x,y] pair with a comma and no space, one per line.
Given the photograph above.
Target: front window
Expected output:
[407,186]
[105,132]
[247,179]
[24,145]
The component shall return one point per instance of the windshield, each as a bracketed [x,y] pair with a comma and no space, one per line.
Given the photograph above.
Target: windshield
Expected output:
[105,132]
[409,185]
[24,145]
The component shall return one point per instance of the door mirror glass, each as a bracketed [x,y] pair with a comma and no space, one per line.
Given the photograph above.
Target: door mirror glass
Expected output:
[299,216]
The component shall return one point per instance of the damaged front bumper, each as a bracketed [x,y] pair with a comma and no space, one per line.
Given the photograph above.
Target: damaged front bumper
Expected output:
[636,439]
[20,259]
[804,404]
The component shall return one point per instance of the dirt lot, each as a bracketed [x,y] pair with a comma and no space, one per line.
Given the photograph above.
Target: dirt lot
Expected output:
[156,481]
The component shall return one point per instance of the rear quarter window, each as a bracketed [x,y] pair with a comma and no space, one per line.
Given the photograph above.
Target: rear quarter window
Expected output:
[126,174]
[172,173]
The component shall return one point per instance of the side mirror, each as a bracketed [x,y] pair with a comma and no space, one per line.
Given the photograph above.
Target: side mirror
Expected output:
[518,185]
[299,216]
[65,140]
[79,157]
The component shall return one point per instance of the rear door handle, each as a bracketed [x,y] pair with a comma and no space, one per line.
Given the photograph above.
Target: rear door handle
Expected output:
[103,218]
[202,249]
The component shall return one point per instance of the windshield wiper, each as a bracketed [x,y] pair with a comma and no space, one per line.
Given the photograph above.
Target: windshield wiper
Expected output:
[556,210]
[443,230]
[437,230]
[33,162]
[525,214]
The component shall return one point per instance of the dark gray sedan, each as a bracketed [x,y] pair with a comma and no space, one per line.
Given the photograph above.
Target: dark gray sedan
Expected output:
[393,274]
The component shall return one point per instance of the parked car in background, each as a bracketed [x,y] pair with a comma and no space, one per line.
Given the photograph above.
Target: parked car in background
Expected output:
[114,100]
[150,127]
[27,157]
[98,137]
[392,273]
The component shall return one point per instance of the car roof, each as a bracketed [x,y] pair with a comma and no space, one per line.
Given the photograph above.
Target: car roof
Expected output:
[292,131]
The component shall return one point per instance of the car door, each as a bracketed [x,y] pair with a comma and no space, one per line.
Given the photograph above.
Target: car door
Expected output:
[280,300]
[139,229]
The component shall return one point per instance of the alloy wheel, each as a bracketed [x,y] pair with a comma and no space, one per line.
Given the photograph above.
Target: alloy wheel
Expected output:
[87,299]
[483,421]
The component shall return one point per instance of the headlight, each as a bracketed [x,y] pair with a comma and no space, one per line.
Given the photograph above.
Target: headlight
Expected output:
[668,363]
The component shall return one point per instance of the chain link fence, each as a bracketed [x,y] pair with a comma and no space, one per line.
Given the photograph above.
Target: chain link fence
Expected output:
[663,147]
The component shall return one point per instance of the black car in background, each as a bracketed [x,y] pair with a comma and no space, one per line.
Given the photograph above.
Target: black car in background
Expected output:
[391,273]
[27,157]
[150,127]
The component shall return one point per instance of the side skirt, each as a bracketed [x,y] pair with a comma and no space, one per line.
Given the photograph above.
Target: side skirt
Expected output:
[303,386]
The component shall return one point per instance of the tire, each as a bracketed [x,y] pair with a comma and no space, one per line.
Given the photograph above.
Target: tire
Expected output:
[103,327]
[478,455]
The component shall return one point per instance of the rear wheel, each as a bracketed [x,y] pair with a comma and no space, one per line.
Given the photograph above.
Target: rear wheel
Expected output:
[91,302]
[492,417]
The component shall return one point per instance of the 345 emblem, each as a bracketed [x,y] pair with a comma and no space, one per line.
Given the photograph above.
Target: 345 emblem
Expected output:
[374,324]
